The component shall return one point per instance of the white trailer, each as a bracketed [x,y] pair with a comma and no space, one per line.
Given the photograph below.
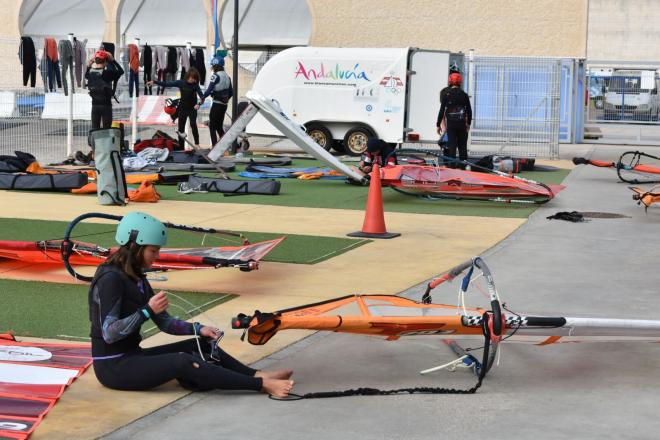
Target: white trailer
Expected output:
[343,96]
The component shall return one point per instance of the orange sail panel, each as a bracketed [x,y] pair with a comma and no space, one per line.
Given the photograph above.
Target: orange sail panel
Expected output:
[392,317]
[88,254]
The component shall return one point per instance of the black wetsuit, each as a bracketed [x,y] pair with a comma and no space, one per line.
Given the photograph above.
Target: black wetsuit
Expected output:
[118,306]
[456,108]
[100,89]
[186,108]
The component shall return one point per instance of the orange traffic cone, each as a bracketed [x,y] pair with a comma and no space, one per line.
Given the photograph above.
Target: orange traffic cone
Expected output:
[374,217]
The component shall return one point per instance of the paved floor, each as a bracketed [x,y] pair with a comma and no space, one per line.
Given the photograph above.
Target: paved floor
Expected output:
[603,268]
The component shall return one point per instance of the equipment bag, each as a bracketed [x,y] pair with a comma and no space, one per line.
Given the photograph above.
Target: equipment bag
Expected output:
[235,187]
[110,178]
[42,182]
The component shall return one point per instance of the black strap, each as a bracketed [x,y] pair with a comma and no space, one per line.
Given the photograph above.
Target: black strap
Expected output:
[417,390]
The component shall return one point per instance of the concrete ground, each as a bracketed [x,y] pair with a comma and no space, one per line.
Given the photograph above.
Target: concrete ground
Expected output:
[606,267]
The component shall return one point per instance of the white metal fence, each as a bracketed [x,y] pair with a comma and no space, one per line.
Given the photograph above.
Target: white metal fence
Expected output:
[515,104]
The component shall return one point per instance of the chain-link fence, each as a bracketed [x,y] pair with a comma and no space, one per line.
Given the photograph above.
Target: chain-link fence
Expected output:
[515,104]
[35,116]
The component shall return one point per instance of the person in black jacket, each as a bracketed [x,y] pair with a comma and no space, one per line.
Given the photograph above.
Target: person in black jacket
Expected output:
[188,104]
[102,70]
[456,110]
[378,151]
[121,300]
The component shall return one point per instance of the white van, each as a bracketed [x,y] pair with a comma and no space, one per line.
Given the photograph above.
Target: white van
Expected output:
[343,96]
[632,93]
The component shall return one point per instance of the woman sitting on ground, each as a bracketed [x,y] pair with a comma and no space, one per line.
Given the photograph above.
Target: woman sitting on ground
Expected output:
[121,300]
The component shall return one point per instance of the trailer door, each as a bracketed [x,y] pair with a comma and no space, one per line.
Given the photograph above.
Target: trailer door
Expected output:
[429,70]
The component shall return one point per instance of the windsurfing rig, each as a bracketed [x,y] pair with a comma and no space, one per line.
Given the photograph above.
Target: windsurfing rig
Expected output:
[169,258]
[629,167]
[392,317]
[260,327]
[436,181]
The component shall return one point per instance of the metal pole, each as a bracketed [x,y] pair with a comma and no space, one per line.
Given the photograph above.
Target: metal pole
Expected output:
[69,121]
[471,90]
[134,107]
[234,56]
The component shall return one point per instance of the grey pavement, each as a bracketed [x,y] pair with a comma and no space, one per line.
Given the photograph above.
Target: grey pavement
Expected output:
[607,267]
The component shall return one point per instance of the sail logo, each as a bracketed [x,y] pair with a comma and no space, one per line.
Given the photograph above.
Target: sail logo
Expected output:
[336,73]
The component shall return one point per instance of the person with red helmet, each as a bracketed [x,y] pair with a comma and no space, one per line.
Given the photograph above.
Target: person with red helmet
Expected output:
[456,115]
[102,70]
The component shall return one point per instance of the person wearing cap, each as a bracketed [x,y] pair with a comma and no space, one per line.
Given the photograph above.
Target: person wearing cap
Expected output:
[121,300]
[220,89]
[102,70]
[456,111]
[378,151]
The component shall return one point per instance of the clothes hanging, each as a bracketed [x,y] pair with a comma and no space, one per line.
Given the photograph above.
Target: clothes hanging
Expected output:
[160,63]
[172,63]
[28,57]
[65,49]
[146,61]
[184,56]
[52,64]
[133,70]
[200,65]
[79,59]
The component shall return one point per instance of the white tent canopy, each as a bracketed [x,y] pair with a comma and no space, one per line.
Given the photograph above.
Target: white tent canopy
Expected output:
[262,23]
[164,22]
[57,18]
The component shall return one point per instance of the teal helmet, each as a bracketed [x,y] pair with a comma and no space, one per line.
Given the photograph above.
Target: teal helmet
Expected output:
[141,228]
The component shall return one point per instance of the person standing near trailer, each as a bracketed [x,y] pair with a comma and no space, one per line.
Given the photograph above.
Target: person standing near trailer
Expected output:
[456,109]
[220,89]
[453,68]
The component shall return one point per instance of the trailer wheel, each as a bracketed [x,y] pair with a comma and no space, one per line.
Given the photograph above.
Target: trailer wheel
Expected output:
[321,135]
[355,140]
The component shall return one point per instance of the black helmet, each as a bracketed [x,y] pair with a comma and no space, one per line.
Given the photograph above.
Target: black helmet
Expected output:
[374,145]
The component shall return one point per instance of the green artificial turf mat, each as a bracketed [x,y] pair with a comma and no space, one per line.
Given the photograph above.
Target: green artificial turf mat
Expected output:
[297,249]
[60,311]
[336,194]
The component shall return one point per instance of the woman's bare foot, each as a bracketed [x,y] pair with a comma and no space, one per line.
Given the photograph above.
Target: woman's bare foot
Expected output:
[278,374]
[276,387]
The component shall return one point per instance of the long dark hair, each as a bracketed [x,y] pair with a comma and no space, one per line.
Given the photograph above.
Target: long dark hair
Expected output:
[130,259]
[191,73]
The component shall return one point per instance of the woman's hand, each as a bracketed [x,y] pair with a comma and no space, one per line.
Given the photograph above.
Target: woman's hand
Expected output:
[196,106]
[159,302]
[210,332]
[150,83]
